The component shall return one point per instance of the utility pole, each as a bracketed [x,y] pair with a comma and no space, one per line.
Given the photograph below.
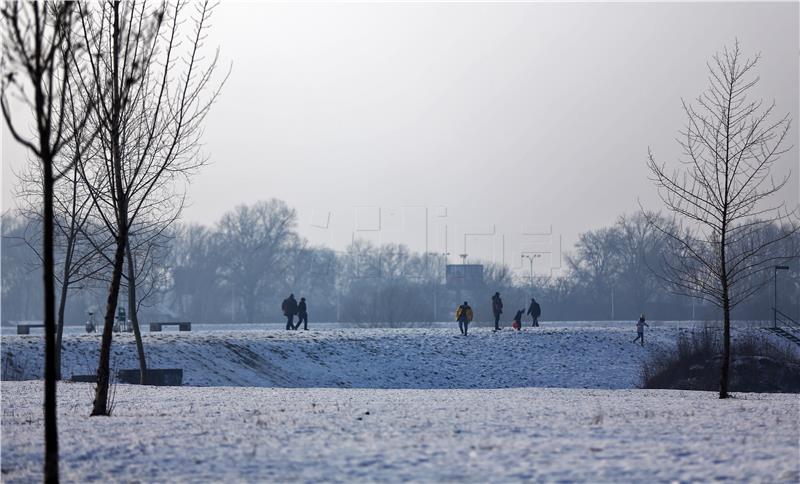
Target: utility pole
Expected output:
[775,294]
[612,302]
[444,254]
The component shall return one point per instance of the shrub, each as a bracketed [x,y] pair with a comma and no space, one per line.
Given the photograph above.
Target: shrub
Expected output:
[757,364]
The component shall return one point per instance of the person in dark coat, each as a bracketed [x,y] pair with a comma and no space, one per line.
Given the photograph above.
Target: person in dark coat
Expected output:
[640,329]
[302,314]
[497,310]
[535,311]
[289,307]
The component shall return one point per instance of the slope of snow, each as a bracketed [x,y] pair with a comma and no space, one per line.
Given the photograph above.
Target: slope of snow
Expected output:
[367,358]
[160,434]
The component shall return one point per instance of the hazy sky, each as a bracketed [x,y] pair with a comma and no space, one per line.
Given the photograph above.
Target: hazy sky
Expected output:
[520,124]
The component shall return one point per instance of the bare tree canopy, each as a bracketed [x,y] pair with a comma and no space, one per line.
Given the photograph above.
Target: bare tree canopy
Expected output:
[160,89]
[257,241]
[721,192]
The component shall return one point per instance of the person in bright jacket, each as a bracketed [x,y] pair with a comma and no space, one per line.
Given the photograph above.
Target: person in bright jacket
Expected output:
[289,308]
[302,314]
[464,317]
[640,329]
[497,310]
[535,311]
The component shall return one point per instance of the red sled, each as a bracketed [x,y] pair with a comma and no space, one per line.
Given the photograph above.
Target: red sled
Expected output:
[516,325]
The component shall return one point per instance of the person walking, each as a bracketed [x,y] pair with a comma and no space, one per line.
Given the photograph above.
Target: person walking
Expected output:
[464,317]
[497,310]
[535,311]
[302,314]
[289,307]
[640,329]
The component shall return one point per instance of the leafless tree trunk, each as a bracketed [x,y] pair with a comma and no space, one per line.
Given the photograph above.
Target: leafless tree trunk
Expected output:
[121,214]
[37,53]
[133,312]
[146,241]
[721,191]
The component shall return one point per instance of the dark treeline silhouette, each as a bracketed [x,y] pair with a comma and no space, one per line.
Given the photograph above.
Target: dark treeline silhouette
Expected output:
[240,269]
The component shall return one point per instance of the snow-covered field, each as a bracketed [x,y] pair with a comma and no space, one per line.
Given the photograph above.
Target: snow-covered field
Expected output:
[231,434]
[548,404]
[367,358]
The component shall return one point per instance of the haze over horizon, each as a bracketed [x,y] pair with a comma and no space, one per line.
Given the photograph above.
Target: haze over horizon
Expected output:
[419,124]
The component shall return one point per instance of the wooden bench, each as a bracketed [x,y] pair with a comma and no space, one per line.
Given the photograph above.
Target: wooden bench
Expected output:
[182,326]
[83,379]
[26,328]
[153,376]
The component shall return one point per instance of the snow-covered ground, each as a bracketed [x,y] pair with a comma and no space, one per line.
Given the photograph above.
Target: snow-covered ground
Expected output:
[566,357]
[216,434]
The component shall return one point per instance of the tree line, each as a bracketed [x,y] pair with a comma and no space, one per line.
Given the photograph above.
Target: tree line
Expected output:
[239,269]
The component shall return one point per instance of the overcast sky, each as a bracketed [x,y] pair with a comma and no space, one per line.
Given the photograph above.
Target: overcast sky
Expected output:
[520,123]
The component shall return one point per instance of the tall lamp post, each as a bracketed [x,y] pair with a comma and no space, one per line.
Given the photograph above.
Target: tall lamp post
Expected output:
[530,258]
[775,294]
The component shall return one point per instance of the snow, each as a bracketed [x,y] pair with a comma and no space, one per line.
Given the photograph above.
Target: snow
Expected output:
[237,434]
[367,358]
[548,404]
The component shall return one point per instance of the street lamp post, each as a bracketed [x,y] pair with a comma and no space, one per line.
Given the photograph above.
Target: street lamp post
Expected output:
[530,259]
[775,294]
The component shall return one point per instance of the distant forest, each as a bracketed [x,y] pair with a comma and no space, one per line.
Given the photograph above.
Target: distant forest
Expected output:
[241,268]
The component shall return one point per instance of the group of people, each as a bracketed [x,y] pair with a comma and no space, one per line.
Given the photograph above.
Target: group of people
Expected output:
[292,308]
[464,314]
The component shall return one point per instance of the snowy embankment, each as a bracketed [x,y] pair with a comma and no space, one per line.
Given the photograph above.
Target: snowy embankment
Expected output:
[183,434]
[366,358]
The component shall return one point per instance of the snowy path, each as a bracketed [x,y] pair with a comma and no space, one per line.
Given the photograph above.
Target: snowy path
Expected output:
[160,434]
[367,358]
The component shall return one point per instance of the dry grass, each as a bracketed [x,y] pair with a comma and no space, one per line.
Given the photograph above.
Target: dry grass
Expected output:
[757,364]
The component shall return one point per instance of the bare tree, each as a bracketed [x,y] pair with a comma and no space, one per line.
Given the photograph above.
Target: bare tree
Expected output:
[196,259]
[149,124]
[78,260]
[78,245]
[641,246]
[595,266]
[146,255]
[38,55]
[258,241]
[721,193]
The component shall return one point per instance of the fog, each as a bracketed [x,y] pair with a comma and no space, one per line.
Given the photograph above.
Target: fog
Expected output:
[524,124]
[471,132]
